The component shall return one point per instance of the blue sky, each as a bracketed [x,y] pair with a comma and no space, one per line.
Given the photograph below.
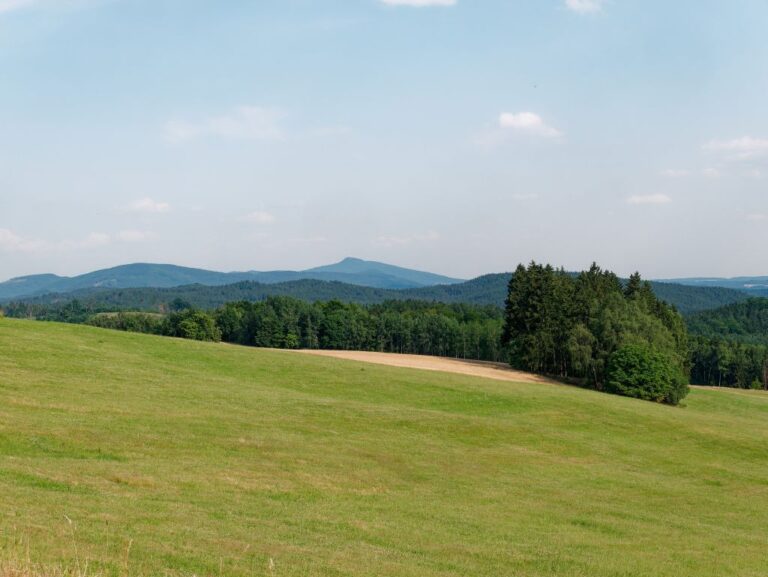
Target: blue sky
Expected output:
[460,136]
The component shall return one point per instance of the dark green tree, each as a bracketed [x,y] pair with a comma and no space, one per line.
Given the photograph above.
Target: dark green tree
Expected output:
[639,371]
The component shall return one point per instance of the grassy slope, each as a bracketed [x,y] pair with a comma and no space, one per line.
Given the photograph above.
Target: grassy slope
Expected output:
[213,459]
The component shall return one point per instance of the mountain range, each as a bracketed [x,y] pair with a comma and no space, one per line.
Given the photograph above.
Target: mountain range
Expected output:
[489,290]
[152,286]
[142,275]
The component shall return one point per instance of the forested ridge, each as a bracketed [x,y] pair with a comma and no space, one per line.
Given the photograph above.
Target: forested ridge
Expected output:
[489,289]
[746,321]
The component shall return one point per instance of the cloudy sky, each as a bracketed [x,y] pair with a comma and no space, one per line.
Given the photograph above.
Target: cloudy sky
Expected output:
[458,136]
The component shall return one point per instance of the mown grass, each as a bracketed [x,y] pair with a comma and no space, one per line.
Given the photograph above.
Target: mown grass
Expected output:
[178,458]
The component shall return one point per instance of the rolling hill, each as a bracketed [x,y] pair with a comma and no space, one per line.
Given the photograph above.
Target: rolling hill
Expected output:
[142,275]
[143,455]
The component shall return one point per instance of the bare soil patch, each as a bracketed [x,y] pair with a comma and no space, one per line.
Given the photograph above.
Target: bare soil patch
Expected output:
[488,370]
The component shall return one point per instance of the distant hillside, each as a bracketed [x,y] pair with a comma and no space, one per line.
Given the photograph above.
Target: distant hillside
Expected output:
[141,275]
[692,299]
[209,297]
[485,290]
[745,321]
[492,289]
[756,286]
[28,285]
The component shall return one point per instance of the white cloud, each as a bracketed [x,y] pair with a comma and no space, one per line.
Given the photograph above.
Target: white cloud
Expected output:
[134,235]
[11,5]
[13,243]
[390,241]
[585,6]
[149,206]
[740,148]
[675,173]
[649,199]
[307,240]
[529,123]
[419,3]
[757,217]
[707,173]
[94,239]
[242,123]
[259,217]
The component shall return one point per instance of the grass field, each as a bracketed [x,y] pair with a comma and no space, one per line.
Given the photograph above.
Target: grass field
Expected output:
[179,458]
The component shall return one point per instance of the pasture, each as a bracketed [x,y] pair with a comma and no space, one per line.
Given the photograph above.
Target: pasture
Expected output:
[140,455]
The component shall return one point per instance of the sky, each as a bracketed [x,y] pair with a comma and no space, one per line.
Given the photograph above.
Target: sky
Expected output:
[457,136]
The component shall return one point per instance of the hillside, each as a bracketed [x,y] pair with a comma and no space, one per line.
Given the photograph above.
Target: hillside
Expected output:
[745,321]
[691,299]
[142,275]
[180,458]
[756,286]
[485,290]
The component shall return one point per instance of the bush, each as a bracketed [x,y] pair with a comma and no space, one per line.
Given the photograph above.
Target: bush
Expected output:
[192,324]
[128,321]
[643,373]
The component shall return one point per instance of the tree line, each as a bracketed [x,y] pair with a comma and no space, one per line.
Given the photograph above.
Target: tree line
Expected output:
[414,327]
[730,347]
[728,363]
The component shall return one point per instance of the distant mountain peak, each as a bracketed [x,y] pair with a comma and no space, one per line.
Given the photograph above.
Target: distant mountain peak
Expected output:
[414,278]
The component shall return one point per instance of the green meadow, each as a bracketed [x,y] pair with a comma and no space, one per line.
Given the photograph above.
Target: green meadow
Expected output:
[133,455]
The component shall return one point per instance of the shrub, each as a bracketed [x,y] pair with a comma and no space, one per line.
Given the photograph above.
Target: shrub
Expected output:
[639,371]
[192,324]
[134,322]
